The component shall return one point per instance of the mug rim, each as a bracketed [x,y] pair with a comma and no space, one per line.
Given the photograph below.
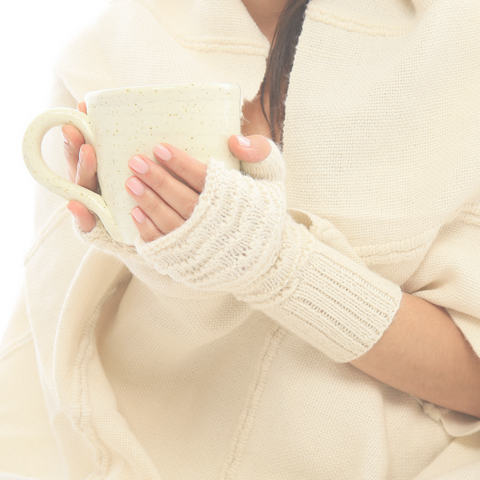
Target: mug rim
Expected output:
[162,86]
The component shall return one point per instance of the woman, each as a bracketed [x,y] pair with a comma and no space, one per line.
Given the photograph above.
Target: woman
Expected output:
[346,345]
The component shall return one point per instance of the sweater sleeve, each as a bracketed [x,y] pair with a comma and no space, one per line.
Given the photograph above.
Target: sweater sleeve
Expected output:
[303,273]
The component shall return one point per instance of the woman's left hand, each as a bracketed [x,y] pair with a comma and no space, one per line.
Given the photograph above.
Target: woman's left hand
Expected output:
[164,203]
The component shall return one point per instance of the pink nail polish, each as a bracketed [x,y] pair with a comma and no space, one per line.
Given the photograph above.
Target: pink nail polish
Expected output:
[138,164]
[139,215]
[81,155]
[73,215]
[136,186]
[66,140]
[244,141]
[162,153]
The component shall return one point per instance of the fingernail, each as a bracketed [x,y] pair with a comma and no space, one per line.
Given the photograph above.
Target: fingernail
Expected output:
[81,155]
[74,216]
[139,215]
[136,186]
[138,164]
[66,139]
[162,153]
[244,141]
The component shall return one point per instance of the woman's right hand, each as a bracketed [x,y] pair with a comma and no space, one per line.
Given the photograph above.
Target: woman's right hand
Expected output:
[82,170]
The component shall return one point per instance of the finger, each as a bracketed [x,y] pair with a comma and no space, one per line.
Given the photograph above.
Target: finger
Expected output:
[83,216]
[82,107]
[146,228]
[260,157]
[179,196]
[87,168]
[251,149]
[182,164]
[72,141]
[163,216]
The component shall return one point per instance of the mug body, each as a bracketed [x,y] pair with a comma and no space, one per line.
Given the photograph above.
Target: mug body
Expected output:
[196,118]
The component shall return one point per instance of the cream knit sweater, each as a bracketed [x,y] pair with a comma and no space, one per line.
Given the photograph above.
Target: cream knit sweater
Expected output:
[221,350]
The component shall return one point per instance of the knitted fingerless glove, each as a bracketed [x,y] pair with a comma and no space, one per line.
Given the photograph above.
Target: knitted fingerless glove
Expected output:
[241,240]
[232,238]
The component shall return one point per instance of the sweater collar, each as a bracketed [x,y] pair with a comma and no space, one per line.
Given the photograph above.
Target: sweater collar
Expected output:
[210,25]
[226,25]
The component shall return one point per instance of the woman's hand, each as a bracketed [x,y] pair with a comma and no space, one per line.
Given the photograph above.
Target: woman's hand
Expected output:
[82,170]
[164,203]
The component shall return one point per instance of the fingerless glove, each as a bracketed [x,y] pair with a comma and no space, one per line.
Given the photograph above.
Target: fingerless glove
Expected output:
[241,240]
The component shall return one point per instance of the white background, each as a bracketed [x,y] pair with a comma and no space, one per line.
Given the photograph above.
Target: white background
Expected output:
[32,35]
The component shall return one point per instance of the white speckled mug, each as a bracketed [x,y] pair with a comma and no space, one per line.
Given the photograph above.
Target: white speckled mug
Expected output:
[197,118]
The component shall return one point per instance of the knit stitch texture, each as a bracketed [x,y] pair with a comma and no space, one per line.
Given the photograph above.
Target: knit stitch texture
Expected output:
[224,355]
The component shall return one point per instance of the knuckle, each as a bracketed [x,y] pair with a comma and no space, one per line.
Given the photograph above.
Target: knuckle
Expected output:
[190,204]
[77,139]
[152,204]
[171,224]
[150,235]
[67,150]
[158,178]
[155,207]
[181,169]
[74,135]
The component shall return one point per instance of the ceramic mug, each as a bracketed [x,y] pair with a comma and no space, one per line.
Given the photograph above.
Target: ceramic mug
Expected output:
[120,123]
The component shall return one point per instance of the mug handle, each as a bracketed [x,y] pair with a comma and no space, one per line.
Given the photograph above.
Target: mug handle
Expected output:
[32,155]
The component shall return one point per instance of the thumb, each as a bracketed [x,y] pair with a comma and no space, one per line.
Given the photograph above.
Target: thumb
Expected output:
[261,159]
[251,149]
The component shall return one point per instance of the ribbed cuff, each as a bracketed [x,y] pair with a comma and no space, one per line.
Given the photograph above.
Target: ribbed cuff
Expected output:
[337,305]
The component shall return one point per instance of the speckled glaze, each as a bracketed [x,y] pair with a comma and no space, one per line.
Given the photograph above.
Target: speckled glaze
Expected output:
[122,122]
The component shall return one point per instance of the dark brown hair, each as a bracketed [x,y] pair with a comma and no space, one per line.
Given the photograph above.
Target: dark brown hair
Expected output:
[280,63]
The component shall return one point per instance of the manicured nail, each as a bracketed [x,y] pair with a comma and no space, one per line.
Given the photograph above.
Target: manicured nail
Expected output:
[244,141]
[139,215]
[162,153]
[136,186]
[138,164]
[81,155]
[66,138]
[73,215]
